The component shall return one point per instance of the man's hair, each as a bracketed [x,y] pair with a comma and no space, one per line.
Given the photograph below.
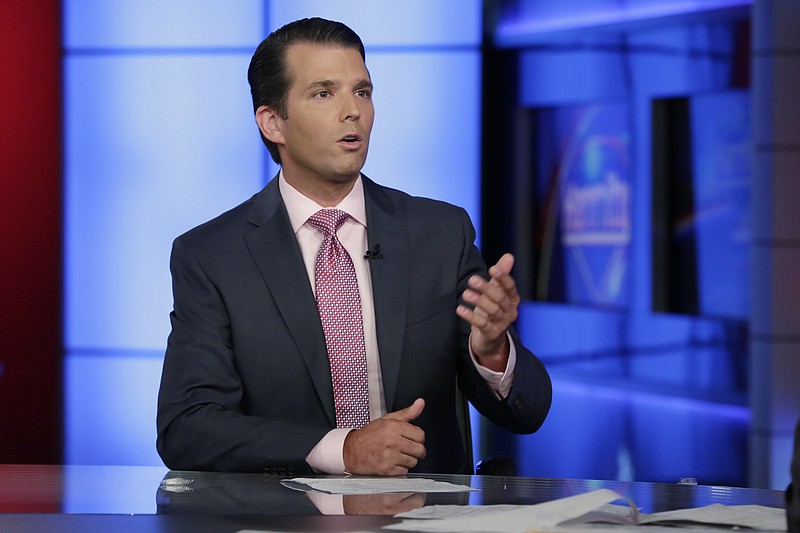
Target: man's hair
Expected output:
[267,74]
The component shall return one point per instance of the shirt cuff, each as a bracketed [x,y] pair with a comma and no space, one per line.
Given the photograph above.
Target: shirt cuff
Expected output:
[499,382]
[327,457]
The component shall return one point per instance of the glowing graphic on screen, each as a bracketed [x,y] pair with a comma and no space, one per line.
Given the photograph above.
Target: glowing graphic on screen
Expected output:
[584,185]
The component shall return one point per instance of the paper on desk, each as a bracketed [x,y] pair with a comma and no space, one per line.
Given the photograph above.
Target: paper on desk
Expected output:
[752,516]
[277,531]
[588,512]
[372,485]
[505,518]
[749,516]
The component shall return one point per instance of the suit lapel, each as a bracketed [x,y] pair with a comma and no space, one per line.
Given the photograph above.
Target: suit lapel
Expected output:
[386,226]
[274,249]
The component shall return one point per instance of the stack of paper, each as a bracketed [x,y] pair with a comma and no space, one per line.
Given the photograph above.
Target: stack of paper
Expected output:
[582,513]
[589,512]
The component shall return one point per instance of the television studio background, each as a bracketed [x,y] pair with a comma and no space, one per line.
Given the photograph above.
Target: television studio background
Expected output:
[638,157]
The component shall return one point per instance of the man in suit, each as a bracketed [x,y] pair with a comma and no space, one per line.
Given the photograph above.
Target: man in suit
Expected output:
[247,383]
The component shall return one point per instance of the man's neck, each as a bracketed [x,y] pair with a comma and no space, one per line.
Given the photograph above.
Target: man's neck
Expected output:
[326,192]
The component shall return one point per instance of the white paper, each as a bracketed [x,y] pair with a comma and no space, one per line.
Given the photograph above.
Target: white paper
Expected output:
[370,485]
[518,519]
[438,512]
[752,516]
[590,512]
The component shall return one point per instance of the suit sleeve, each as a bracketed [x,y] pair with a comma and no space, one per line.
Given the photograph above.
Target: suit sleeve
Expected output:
[201,424]
[526,407]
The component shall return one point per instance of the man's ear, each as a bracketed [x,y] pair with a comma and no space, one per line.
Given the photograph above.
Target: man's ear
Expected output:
[269,122]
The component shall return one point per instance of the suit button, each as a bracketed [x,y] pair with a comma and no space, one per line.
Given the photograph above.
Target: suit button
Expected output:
[277,471]
[518,403]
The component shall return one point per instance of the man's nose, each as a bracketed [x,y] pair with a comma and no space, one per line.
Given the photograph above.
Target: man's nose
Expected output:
[350,108]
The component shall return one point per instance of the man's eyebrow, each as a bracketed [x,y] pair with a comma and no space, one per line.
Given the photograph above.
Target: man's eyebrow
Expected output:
[363,84]
[321,84]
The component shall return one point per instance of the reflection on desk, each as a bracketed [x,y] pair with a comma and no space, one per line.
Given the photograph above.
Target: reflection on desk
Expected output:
[82,498]
[218,493]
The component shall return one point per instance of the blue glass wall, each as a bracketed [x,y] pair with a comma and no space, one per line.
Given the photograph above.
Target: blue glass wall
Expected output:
[639,392]
[159,137]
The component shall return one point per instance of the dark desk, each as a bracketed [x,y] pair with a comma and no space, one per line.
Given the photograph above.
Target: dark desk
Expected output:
[108,498]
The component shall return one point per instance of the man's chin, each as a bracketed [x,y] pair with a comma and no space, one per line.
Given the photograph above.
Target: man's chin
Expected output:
[344,177]
[348,173]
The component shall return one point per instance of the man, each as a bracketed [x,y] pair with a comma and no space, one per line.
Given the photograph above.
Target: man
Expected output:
[252,377]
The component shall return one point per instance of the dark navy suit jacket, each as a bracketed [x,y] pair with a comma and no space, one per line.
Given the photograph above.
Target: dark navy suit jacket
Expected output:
[246,383]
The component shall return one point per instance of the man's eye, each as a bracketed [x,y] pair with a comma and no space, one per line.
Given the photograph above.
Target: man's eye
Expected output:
[364,93]
[323,94]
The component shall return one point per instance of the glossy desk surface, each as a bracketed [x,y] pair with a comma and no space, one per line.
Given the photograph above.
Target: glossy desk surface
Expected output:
[130,498]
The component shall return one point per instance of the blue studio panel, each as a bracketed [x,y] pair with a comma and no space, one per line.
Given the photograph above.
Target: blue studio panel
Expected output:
[424,126]
[721,128]
[155,145]
[157,140]
[160,137]
[614,433]
[408,24]
[131,24]
[528,18]
[110,403]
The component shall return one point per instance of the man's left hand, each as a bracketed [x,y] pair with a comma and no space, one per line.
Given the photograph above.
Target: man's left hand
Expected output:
[495,308]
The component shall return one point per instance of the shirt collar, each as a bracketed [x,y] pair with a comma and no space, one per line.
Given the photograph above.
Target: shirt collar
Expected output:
[301,207]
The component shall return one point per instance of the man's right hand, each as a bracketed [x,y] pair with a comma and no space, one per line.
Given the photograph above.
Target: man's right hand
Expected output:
[388,446]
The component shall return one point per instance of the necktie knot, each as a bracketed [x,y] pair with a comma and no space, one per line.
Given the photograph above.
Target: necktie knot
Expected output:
[328,221]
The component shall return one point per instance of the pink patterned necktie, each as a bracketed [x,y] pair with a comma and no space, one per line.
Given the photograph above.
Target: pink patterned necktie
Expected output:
[339,307]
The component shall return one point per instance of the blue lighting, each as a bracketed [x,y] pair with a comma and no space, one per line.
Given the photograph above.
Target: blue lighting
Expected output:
[541,18]
[603,432]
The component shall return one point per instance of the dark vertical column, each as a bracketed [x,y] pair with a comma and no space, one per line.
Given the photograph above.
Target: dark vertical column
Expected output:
[499,207]
[675,286]
[775,287]
[30,222]
[499,163]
